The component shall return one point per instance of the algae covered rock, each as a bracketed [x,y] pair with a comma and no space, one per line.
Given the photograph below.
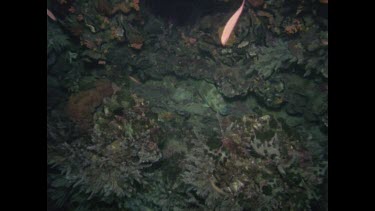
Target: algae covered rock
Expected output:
[305,98]
[270,92]
[212,98]
[232,81]
[273,59]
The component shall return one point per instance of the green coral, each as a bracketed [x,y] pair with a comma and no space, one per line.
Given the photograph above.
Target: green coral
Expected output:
[56,39]
[269,173]
[273,59]
[212,98]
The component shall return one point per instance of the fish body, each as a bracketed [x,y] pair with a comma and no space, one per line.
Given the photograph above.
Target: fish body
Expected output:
[51,15]
[229,26]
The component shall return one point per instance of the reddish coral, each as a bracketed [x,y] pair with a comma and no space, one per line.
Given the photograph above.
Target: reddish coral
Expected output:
[295,27]
[188,40]
[81,105]
[123,7]
[101,62]
[136,5]
[137,46]
[72,9]
[89,44]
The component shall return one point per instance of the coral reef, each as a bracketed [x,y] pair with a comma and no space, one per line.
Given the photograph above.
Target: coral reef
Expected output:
[189,124]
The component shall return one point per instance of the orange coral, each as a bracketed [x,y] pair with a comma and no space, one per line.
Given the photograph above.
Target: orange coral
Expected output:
[104,22]
[295,27]
[101,62]
[72,9]
[135,39]
[117,33]
[123,7]
[81,106]
[135,5]
[166,116]
[188,40]
[89,44]
[137,46]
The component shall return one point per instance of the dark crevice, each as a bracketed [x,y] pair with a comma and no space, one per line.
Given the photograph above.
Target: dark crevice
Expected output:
[183,12]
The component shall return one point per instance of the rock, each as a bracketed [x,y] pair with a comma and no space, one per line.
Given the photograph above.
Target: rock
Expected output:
[243,44]
[154,26]
[212,98]
[231,81]
[296,104]
[256,3]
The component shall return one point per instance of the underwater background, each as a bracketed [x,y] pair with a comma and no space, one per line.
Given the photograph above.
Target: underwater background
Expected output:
[147,109]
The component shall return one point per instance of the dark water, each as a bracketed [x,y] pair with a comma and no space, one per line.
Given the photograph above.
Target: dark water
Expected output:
[147,110]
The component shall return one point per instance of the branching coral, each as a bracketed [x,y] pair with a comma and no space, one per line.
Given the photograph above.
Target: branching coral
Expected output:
[262,167]
[111,164]
[199,174]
